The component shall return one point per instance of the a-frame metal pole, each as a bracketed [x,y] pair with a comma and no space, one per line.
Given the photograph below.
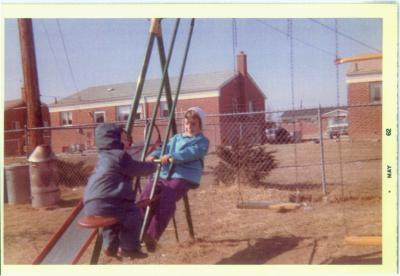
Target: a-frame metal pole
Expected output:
[155,108]
[154,29]
[164,146]
[174,131]
[157,104]
[168,93]
[168,96]
[185,197]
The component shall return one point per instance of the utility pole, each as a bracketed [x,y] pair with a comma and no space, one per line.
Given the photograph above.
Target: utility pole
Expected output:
[31,84]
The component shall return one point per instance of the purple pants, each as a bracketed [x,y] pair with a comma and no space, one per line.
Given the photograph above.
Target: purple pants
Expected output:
[170,192]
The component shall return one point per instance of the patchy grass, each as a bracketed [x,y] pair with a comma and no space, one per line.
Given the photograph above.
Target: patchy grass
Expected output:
[225,234]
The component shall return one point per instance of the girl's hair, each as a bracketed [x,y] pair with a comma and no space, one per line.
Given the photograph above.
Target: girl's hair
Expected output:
[191,114]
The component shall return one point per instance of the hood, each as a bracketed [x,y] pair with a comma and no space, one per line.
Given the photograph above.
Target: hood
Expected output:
[108,136]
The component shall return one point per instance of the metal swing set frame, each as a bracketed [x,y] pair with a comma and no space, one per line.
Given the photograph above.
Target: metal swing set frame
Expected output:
[70,241]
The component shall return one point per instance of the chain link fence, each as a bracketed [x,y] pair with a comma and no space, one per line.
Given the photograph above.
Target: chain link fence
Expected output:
[320,149]
[303,156]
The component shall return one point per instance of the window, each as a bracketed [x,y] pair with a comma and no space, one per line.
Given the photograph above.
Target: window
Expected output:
[124,110]
[99,116]
[66,118]
[139,112]
[164,109]
[375,91]
[16,125]
[235,108]
[251,106]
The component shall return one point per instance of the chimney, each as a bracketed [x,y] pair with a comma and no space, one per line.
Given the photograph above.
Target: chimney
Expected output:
[242,63]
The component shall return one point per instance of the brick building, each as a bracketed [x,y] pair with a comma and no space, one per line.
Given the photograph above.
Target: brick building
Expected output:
[15,119]
[225,92]
[364,85]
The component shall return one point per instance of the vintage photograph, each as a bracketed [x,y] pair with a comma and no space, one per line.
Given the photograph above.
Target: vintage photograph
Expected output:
[193,141]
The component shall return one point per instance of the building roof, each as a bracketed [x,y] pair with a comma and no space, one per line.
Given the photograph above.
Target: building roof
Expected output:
[17,103]
[13,104]
[373,66]
[338,112]
[310,112]
[122,91]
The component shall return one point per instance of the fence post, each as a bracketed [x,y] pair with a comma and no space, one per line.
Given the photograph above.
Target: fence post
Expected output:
[321,142]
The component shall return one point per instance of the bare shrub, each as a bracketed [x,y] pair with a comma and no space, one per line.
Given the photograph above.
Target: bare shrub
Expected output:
[252,163]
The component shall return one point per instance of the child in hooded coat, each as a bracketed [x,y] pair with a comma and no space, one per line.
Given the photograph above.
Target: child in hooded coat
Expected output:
[109,191]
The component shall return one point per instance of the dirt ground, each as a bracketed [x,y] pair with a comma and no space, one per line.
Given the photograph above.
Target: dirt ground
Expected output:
[225,234]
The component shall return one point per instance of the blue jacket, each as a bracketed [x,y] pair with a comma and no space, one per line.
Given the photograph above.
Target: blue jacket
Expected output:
[112,178]
[188,153]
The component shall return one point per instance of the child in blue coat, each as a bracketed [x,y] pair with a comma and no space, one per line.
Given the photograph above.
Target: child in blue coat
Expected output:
[187,151]
[109,191]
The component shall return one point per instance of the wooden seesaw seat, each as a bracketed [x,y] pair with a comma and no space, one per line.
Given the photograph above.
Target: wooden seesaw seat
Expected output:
[97,221]
[104,221]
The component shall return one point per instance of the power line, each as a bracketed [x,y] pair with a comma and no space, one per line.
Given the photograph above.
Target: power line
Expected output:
[234,42]
[344,35]
[294,38]
[337,65]
[290,34]
[66,54]
[53,53]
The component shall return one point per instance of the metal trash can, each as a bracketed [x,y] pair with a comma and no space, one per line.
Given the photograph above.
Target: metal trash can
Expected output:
[43,176]
[17,186]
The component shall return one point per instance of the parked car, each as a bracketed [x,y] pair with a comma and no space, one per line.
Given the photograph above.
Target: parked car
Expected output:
[277,135]
[337,127]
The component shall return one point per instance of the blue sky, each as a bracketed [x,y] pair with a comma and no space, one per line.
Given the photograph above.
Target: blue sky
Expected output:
[73,54]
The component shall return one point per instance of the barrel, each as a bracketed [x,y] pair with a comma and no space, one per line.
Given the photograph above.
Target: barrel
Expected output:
[43,176]
[17,184]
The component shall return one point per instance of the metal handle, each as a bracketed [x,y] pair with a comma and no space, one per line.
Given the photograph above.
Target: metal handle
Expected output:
[158,161]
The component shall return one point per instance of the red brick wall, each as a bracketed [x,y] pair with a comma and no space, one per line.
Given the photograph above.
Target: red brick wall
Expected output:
[84,116]
[209,105]
[250,92]
[14,142]
[62,139]
[255,95]
[229,92]
[358,93]
[212,105]
[232,128]
[365,122]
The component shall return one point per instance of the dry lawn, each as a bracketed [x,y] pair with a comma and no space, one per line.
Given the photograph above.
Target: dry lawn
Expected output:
[312,234]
